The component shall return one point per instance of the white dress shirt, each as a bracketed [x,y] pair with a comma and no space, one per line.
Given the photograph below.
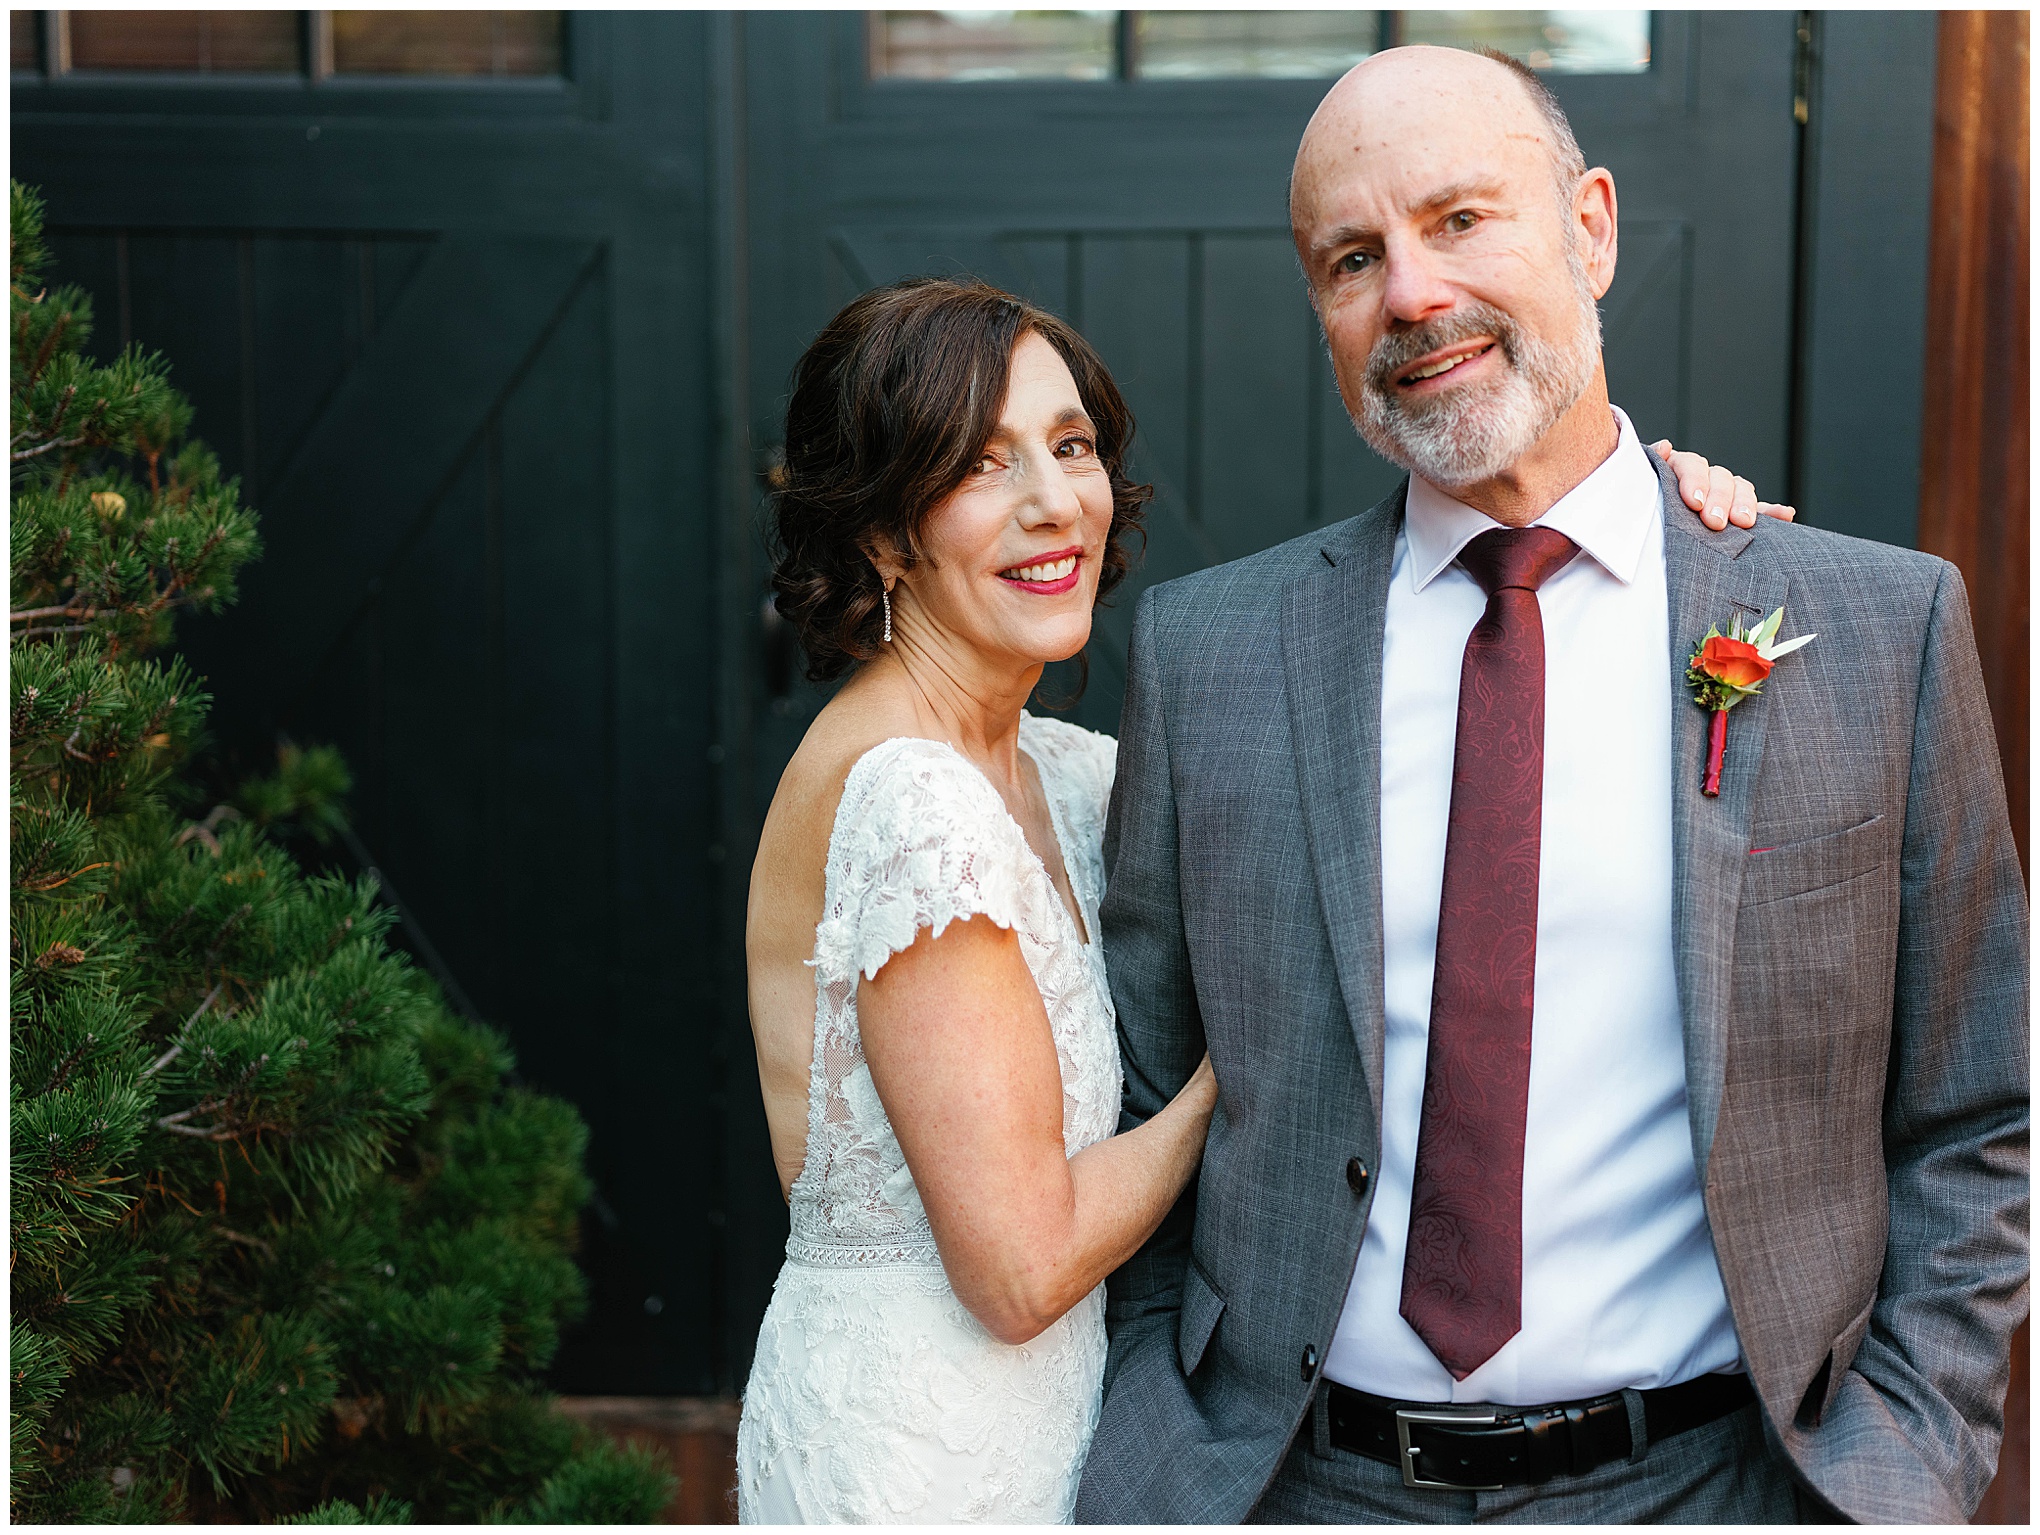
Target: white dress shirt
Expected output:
[1620,1284]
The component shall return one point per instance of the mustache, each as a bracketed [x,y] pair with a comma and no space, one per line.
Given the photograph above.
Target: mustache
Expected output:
[1395,351]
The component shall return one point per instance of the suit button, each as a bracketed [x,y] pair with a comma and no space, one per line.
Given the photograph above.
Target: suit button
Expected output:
[1356,1176]
[1309,1360]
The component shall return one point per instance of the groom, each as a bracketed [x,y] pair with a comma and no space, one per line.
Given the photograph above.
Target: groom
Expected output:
[1590,1148]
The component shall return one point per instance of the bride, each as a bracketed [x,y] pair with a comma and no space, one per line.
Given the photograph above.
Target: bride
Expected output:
[934,1027]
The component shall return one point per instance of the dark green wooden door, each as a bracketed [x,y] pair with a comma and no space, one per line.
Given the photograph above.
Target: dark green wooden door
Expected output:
[454,336]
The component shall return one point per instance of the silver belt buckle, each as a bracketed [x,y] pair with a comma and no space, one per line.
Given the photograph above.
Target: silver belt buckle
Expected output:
[1405,1416]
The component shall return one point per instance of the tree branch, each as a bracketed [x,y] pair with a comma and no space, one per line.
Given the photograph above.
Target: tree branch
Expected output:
[63,610]
[23,455]
[58,884]
[177,1049]
[70,1063]
[220,1101]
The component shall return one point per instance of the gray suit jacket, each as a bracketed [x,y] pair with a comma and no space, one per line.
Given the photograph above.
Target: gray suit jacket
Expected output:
[1854,1004]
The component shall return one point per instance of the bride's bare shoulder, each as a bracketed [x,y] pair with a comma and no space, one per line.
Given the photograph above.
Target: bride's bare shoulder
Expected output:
[803,811]
[812,785]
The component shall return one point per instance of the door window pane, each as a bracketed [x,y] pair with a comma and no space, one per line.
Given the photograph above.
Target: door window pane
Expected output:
[1560,42]
[447,42]
[1230,45]
[189,42]
[994,45]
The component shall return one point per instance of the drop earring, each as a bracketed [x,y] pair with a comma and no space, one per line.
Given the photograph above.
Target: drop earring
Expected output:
[885,597]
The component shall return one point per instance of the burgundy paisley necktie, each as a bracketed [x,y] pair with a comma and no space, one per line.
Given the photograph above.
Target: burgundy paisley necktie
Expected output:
[1462,1286]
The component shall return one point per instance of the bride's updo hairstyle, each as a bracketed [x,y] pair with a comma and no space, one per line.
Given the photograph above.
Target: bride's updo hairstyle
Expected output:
[892,407]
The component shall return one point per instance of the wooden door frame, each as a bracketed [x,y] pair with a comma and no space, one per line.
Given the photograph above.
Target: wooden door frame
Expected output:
[1975,436]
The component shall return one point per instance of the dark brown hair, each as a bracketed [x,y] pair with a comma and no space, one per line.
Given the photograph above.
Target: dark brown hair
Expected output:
[892,405]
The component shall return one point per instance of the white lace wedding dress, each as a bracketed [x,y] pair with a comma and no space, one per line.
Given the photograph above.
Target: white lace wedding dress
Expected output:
[875,1397]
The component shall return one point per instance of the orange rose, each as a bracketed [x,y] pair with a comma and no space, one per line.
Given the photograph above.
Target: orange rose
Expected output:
[1735,662]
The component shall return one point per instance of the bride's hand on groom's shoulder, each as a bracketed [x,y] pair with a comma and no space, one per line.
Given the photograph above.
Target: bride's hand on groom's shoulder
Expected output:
[1719,496]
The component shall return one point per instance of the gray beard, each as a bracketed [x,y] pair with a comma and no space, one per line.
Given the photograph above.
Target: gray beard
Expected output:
[1470,434]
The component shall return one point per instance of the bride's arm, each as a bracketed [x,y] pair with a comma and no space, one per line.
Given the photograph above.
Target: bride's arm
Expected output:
[960,1051]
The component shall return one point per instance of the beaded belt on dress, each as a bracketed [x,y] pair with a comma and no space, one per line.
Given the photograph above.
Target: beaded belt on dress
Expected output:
[836,1253]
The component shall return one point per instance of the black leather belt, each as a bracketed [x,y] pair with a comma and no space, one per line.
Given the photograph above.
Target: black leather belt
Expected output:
[1478,1448]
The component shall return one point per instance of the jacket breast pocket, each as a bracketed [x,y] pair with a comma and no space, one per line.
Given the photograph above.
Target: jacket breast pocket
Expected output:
[1818,863]
[1202,1307]
[1811,988]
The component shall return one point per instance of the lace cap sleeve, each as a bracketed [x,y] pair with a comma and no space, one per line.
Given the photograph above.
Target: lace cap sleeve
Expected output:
[921,840]
[1085,760]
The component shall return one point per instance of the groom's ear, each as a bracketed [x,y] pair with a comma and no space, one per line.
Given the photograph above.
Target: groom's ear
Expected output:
[1596,227]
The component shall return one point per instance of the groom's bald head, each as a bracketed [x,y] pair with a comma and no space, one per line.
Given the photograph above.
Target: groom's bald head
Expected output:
[1408,95]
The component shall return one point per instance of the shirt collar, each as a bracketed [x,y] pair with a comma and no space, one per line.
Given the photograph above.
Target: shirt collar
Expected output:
[1609,514]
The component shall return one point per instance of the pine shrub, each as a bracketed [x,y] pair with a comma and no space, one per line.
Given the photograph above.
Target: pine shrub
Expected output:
[285,1243]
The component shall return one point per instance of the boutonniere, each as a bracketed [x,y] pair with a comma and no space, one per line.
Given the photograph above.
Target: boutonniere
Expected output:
[1726,669]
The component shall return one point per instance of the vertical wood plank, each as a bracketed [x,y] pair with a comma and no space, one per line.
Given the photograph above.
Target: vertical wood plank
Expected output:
[392,261]
[1037,267]
[307,319]
[1253,443]
[186,304]
[433,707]
[1136,291]
[343,707]
[92,259]
[1975,436]
[1644,328]
[1869,168]
[1974,441]
[554,767]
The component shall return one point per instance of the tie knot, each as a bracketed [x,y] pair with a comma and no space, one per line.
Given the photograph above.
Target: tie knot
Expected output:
[1521,557]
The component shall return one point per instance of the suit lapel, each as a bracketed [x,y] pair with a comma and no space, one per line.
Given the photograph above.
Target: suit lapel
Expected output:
[1708,577]
[1332,628]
